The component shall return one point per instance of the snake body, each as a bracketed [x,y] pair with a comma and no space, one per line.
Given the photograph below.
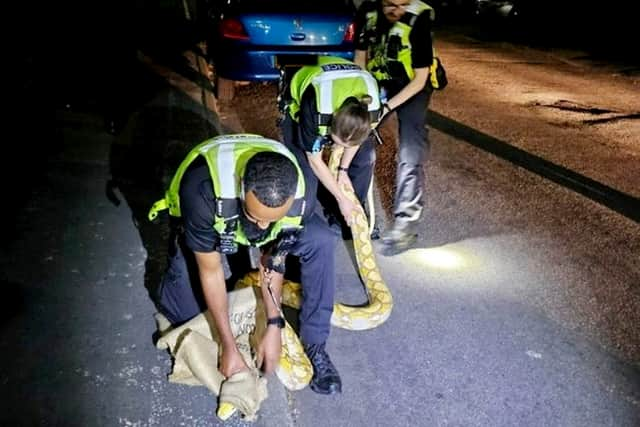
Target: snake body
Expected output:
[295,370]
[380,301]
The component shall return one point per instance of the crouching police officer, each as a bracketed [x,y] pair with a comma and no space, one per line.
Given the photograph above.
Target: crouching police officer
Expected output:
[229,193]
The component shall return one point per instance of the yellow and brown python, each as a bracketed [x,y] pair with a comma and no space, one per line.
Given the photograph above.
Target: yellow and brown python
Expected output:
[295,370]
[380,302]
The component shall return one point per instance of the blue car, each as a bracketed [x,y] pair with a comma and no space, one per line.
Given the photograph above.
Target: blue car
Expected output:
[256,38]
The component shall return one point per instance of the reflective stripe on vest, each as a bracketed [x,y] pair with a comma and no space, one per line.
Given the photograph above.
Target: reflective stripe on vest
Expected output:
[229,155]
[233,150]
[378,62]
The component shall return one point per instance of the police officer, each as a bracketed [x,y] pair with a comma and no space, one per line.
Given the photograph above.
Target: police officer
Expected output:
[333,102]
[394,43]
[235,191]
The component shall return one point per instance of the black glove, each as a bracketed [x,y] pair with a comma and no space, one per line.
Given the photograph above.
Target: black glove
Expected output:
[276,256]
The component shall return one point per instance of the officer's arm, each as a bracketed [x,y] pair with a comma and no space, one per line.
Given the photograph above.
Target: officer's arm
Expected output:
[308,134]
[270,347]
[272,268]
[421,58]
[321,170]
[348,155]
[214,288]
[360,58]
[413,87]
[271,297]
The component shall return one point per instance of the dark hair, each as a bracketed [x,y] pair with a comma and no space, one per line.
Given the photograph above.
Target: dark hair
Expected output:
[272,177]
[351,122]
[382,25]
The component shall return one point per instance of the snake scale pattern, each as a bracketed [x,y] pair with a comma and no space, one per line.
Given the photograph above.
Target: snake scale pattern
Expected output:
[295,370]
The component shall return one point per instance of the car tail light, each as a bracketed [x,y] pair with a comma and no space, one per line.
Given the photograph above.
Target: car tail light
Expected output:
[349,35]
[231,28]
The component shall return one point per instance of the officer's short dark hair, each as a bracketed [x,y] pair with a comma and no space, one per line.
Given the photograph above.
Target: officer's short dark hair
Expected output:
[351,122]
[272,177]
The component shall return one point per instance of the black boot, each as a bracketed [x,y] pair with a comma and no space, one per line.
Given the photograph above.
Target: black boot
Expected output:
[375,233]
[396,240]
[326,379]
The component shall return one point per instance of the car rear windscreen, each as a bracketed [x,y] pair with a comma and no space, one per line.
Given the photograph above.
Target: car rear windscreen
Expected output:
[294,6]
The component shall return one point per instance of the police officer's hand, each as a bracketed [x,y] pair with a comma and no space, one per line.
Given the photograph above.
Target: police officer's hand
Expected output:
[269,350]
[347,209]
[231,361]
[344,182]
[346,206]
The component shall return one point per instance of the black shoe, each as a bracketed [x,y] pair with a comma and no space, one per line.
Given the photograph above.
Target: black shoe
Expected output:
[326,379]
[346,233]
[396,241]
[375,233]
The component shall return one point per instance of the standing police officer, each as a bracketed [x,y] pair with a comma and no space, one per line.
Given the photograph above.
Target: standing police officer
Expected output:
[394,43]
[229,193]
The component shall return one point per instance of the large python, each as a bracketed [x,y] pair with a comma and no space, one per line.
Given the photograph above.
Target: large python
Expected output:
[295,370]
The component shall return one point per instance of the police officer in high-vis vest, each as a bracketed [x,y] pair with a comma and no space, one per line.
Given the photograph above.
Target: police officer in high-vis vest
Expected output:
[333,102]
[394,42]
[229,193]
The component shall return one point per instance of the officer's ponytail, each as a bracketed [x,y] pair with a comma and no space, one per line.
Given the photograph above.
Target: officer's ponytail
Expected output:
[351,122]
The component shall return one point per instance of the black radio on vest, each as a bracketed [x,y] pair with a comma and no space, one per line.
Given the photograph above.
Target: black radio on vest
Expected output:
[393,46]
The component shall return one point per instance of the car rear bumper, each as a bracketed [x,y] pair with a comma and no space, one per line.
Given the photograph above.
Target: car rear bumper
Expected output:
[261,65]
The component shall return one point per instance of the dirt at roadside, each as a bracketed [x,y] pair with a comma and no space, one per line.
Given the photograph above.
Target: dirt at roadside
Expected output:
[560,105]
